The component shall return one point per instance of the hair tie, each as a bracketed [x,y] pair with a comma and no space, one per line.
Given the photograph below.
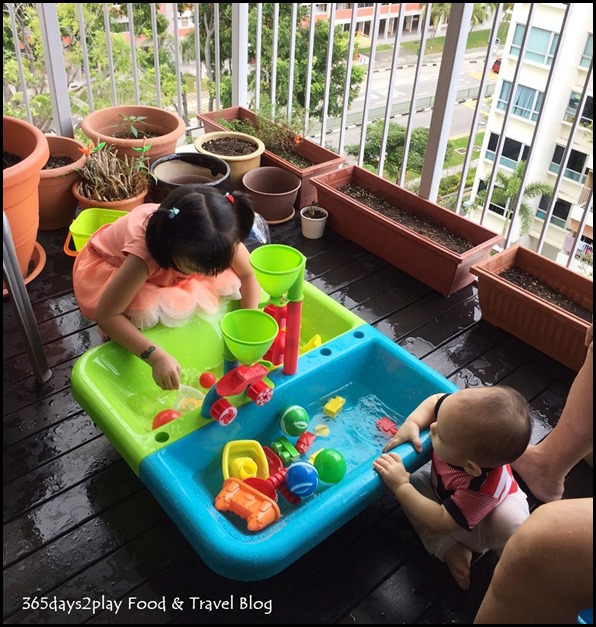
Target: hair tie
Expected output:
[230,197]
[174,211]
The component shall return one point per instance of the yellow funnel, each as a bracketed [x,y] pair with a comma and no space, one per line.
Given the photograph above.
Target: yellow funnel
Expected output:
[277,267]
[248,334]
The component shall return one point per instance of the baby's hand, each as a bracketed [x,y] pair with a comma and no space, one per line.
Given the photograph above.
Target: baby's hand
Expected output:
[166,372]
[408,432]
[392,470]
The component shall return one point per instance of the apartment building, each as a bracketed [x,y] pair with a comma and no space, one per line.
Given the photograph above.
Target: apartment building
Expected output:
[548,125]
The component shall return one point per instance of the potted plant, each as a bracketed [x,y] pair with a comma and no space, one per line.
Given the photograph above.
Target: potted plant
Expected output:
[312,221]
[57,204]
[273,191]
[430,243]
[538,301]
[129,127]
[25,151]
[112,182]
[282,143]
[242,152]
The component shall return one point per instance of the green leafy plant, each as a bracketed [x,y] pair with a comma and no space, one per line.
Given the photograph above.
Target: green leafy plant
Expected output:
[106,177]
[279,136]
[130,127]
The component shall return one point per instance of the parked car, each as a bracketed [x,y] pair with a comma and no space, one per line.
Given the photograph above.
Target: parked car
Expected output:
[496,65]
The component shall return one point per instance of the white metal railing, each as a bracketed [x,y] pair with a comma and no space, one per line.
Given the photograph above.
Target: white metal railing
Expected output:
[185,68]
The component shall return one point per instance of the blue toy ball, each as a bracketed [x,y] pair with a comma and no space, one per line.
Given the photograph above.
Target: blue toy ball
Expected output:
[302,479]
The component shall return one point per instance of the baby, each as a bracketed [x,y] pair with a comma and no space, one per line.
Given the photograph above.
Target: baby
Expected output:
[466,499]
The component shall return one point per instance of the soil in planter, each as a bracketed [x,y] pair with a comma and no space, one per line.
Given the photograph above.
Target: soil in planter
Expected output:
[57,162]
[527,282]
[423,227]
[230,147]
[9,159]
[246,127]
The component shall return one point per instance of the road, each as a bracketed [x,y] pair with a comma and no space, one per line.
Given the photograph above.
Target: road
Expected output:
[402,95]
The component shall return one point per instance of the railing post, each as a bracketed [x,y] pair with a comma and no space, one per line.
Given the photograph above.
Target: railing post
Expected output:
[240,54]
[453,55]
[54,58]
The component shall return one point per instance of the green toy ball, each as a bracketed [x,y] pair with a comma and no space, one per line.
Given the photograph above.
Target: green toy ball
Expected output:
[331,465]
[294,420]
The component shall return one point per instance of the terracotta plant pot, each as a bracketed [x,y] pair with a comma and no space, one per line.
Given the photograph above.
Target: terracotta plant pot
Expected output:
[432,263]
[121,205]
[313,220]
[57,205]
[547,327]
[20,184]
[323,160]
[239,164]
[273,191]
[184,168]
[101,125]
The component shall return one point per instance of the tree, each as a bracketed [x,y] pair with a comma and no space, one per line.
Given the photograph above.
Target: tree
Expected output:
[506,193]
[394,149]
[99,68]
[317,63]
[439,14]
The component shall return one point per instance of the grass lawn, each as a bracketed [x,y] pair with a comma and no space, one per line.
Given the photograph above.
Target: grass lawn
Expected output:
[476,39]
[462,142]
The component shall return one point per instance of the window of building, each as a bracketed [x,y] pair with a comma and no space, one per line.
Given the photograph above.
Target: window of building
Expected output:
[541,44]
[527,103]
[575,164]
[560,212]
[587,113]
[587,55]
[513,151]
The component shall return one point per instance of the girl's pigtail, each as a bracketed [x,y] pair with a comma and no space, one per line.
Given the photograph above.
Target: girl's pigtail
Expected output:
[245,214]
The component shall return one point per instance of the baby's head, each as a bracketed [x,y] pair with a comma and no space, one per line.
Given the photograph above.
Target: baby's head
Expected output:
[481,428]
[197,229]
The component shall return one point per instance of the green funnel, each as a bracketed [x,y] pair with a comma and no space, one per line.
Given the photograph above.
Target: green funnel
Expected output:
[248,334]
[277,267]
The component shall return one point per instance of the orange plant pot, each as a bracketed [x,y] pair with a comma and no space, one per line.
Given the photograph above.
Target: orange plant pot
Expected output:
[121,205]
[20,184]
[101,125]
[57,204]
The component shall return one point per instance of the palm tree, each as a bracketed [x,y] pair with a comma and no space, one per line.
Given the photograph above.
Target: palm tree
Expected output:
[439,14]
[506,194]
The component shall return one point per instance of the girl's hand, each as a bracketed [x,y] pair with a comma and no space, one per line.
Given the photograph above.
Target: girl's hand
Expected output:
[392,470]
[408,432]
[166,371]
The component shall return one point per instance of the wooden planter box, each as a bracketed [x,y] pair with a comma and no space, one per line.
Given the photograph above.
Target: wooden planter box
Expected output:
[323,159]
[429,262]
[550,329]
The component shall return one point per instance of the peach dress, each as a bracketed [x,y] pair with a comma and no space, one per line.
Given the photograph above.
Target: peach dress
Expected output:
[168,296]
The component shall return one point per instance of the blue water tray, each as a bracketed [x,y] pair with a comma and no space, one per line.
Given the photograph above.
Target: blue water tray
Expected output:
[376,378]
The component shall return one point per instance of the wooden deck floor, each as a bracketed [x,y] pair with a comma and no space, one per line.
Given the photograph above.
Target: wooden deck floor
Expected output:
[81,529]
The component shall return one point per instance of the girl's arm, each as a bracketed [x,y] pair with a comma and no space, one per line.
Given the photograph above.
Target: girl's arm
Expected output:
[250,288]
[421,418]
[114,301]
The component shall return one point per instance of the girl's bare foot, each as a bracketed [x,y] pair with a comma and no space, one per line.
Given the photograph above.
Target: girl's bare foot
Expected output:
[458,559]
